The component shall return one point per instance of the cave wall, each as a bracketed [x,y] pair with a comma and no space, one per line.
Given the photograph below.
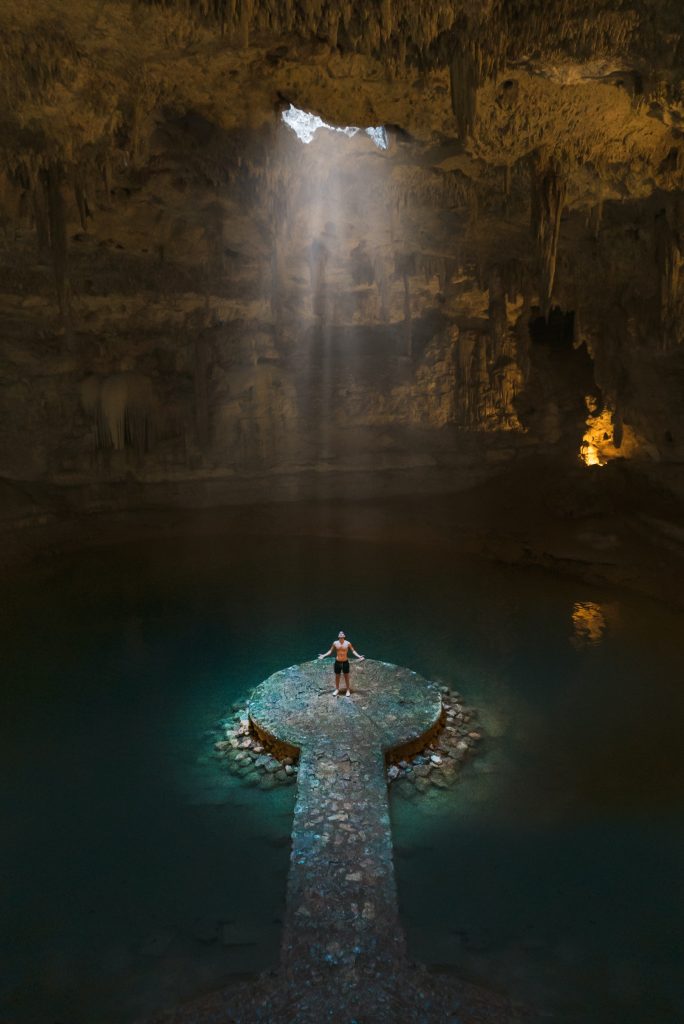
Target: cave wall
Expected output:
[190,294]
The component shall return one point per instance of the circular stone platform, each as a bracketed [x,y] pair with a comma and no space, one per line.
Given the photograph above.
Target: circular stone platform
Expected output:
[391,708]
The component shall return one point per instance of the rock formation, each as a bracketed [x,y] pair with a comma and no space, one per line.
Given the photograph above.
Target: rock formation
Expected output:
[192,295]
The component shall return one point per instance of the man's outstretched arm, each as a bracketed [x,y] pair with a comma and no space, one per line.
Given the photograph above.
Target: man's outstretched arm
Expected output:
[356,654]
[326,653]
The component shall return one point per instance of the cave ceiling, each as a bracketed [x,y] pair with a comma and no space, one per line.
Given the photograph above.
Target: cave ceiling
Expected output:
[150,195]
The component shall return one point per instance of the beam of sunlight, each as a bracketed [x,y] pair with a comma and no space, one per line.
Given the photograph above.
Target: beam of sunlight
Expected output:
[333,237]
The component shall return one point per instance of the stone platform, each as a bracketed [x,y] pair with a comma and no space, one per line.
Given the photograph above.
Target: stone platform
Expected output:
[343,954]
[391,709]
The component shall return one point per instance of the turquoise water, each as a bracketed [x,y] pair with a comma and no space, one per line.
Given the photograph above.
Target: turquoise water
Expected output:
[136,871]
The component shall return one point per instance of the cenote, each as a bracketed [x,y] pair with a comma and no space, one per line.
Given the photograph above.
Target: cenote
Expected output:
[138,873]
[322,317]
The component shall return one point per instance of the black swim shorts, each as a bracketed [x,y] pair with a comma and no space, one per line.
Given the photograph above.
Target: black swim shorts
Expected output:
[341,666]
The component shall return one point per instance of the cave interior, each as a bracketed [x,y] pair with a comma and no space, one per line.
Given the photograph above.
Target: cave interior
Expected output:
[379,273]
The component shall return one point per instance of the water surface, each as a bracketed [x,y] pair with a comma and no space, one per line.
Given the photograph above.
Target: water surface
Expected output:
[136,871]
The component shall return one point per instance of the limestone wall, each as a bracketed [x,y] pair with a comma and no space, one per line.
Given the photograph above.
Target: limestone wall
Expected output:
[188,293]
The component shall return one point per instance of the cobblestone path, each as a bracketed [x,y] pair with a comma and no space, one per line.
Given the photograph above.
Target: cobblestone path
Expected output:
[342,927]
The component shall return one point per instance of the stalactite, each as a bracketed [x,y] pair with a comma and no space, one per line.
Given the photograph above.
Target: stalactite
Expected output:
[81,196]
[577,334]
[333,26]
[669,253]
[498,322]
[8,204]
[464,84]
[468,399]
[53,178]
[202,360]
[618,428]
[42,57]
[449,190]
[245,21]
[497,30]
[386,19]
[381,277]
[40,214]
[277,198]
[594,219]
[548,198]
[408,331]
[107,178]
[124,408]
[515,278]
[213,215]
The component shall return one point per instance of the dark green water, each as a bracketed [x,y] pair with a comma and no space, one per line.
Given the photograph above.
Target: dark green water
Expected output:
[135,871]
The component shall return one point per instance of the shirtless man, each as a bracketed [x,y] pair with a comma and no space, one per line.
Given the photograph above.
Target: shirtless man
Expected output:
[341,648]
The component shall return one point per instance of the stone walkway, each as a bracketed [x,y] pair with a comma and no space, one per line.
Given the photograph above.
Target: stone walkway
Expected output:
[343,955]
[342,927]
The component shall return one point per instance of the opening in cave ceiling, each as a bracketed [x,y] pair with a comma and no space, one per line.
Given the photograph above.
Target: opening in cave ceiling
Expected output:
[305,126]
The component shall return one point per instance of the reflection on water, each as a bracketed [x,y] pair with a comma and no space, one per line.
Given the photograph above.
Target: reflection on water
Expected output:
[589,623]
[137,872]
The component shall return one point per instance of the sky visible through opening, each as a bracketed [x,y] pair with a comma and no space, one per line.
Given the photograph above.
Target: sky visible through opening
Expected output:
[306,125]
